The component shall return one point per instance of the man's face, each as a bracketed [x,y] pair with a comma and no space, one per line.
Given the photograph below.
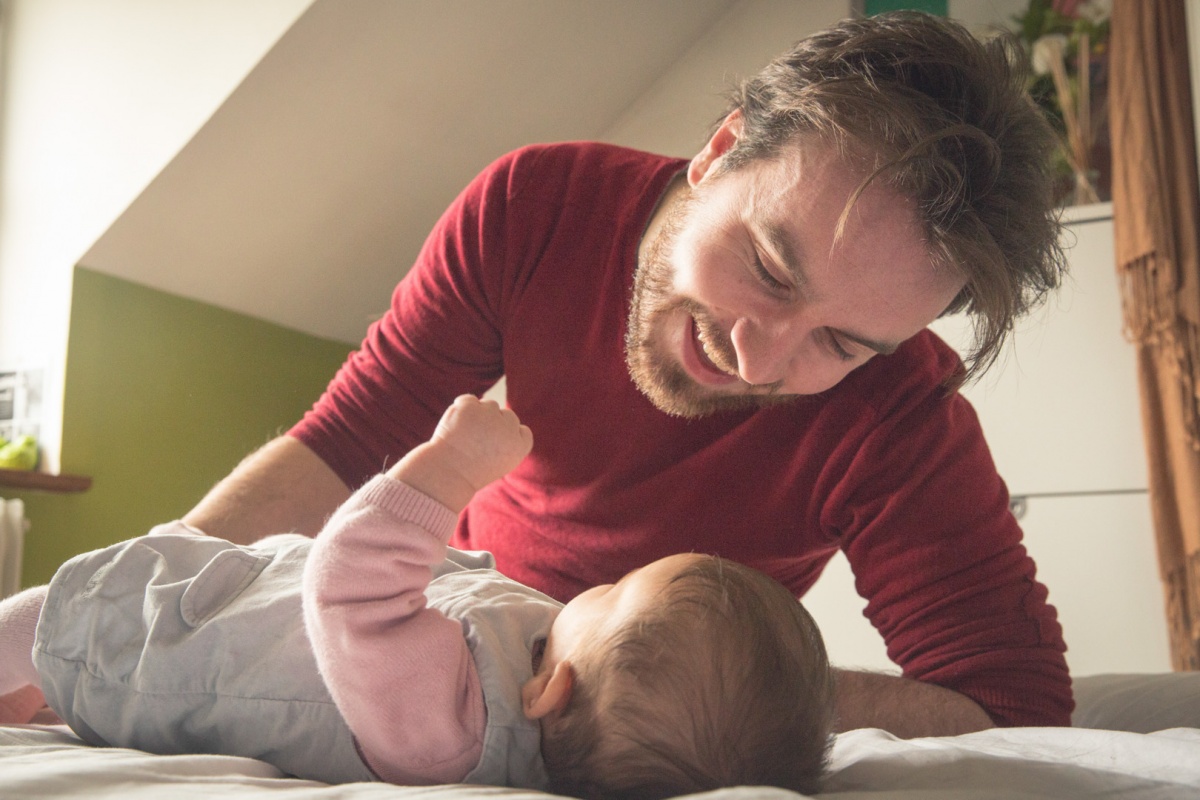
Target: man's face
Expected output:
[744,297]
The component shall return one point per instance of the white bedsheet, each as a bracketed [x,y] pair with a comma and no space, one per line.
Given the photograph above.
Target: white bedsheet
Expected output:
[1014,764]
[1009,764]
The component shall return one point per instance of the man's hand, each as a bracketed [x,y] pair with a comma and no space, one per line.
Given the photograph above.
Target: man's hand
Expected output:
[475,443]
[905,708]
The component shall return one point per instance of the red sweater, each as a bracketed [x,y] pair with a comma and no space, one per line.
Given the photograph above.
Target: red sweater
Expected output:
[528,274]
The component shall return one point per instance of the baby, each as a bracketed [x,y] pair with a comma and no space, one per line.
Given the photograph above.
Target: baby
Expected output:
[375,652]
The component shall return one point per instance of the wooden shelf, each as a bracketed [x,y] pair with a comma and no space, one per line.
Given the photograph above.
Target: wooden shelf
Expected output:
[41,481]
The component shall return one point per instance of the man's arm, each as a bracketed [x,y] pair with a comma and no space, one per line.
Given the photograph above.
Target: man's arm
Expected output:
[904,707]
[282,487]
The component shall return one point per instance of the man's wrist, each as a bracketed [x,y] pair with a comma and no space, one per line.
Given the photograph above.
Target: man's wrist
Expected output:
[431,470]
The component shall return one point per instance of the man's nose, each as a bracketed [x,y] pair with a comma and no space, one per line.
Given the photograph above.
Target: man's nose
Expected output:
[766,352]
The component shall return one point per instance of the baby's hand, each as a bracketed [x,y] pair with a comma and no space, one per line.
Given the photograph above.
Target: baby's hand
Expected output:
[482,440]
[475,443]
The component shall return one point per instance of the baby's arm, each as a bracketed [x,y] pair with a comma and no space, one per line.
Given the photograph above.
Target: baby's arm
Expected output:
[401,673]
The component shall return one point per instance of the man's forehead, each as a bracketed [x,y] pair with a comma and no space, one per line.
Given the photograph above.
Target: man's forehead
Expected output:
[813,191]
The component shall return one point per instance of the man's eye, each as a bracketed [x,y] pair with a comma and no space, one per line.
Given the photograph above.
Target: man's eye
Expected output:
[838,349]
[766,278]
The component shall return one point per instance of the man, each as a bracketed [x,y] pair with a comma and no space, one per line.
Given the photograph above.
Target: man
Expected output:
[729,355]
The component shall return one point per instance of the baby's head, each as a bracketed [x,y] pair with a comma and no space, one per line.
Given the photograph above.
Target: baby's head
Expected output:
[689,674]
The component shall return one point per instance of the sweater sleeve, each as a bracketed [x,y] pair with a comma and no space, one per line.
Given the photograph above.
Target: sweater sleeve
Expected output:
[400,673]
[440,338]
[925,525]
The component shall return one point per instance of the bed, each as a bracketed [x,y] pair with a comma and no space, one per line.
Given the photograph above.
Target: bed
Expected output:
[1136,737]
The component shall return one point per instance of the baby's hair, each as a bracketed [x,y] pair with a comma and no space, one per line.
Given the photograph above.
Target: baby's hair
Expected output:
[725,683]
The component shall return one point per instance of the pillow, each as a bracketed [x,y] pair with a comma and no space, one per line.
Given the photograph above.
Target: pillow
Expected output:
[1137,703]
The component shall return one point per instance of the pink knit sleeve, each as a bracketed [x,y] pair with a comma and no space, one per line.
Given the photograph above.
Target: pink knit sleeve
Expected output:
[400,673]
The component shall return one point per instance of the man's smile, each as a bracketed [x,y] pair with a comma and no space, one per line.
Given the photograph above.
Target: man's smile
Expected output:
[708,362]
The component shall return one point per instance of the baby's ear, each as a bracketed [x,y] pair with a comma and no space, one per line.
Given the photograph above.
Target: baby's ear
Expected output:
[549,690]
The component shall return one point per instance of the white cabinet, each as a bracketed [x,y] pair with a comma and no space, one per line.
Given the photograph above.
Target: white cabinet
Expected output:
[1061,409]
[1061,415]
[1096,555]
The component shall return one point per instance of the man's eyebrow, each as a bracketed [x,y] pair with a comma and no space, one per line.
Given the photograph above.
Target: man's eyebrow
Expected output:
[785,250]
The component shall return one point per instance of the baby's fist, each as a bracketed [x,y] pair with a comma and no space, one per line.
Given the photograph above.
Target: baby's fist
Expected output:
[484,440]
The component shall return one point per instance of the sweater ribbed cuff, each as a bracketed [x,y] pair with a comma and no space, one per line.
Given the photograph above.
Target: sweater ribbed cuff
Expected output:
[405,502]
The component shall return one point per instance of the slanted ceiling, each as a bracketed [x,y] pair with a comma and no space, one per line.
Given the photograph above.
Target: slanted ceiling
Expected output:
[306,196]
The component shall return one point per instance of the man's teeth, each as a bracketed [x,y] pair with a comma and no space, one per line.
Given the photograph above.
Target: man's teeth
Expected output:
[713,358]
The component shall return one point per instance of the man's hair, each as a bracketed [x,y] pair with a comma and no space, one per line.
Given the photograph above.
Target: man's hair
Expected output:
[918,102]
[724,683]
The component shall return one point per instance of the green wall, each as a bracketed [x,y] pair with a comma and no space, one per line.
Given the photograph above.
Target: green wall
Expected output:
[163,397]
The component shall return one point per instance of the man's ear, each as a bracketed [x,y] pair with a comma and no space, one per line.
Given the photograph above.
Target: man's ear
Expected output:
[722,140]
[549,690]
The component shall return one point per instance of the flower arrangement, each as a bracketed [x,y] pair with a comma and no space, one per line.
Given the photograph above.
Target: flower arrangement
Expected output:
[1067,44]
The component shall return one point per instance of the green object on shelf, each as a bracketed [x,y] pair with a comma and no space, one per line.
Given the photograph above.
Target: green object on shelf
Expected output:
[21,454]
[938,7]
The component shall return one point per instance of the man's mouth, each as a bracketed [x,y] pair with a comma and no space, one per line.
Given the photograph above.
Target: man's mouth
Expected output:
[708,357]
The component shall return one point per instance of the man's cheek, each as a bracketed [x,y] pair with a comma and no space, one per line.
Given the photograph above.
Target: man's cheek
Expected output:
[692,274]
[711,281]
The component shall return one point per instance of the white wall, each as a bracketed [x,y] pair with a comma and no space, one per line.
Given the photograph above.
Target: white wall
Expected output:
[676,113]
[98,97]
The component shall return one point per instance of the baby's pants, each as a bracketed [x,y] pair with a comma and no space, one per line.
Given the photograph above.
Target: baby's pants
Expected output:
[178,642]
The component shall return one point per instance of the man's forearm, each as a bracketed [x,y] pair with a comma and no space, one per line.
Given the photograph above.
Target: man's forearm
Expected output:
[903,707]
[283,487]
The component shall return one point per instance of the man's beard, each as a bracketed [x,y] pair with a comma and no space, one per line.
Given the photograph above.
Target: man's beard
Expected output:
[660,378]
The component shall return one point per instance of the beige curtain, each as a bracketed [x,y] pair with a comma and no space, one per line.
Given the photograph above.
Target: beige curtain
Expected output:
[1156,214]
